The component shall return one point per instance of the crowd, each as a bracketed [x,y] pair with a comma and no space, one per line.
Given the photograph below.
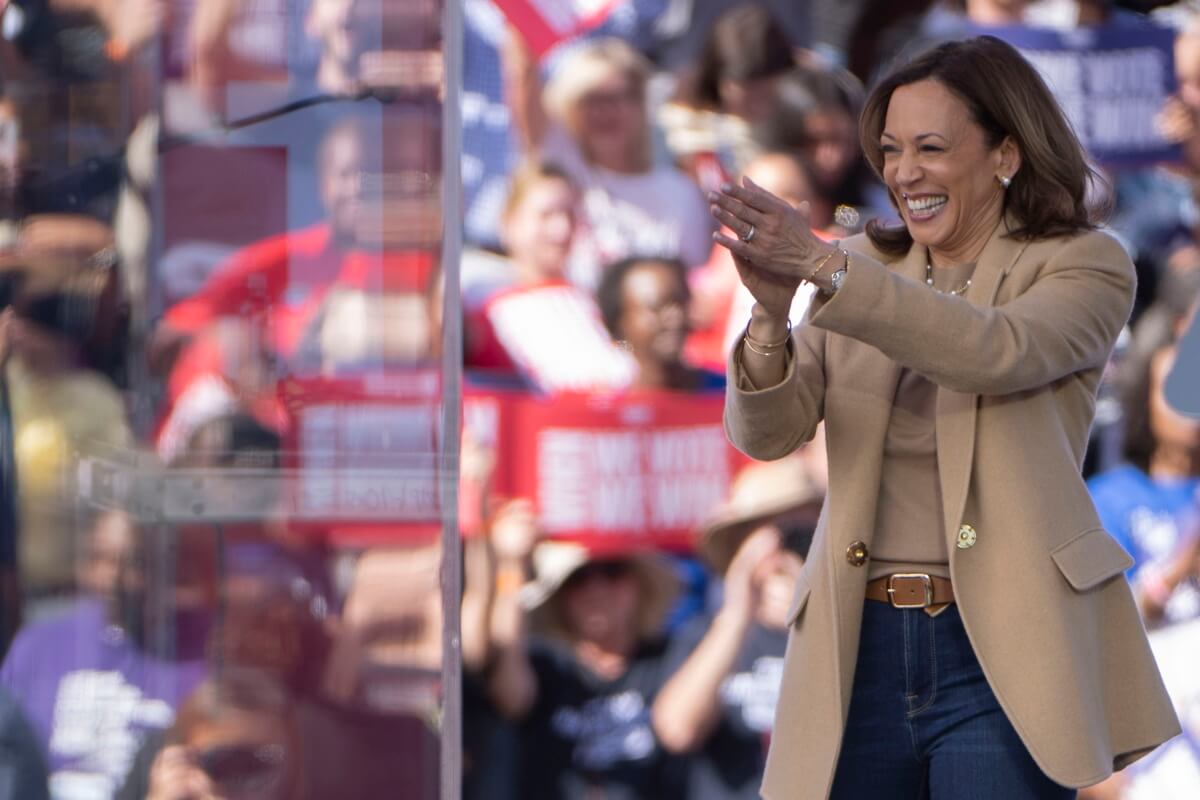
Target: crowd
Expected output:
[229,348]
[620,152]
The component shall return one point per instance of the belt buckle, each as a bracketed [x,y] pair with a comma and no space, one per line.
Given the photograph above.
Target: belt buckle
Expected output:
[926,582]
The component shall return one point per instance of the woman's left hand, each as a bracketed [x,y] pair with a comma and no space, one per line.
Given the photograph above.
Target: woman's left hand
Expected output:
[772,236]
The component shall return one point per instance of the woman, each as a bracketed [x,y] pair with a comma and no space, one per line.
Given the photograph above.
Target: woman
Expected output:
[815,117]
[1149,502]
[592,120]
[955,361]
[644,303]
[580,690]
[709,124]
[530,321]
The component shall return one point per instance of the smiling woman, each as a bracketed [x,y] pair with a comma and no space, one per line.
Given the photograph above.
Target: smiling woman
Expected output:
[998,135]
[954,361]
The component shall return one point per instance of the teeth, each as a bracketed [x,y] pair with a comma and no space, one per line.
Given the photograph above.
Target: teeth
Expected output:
[925,203]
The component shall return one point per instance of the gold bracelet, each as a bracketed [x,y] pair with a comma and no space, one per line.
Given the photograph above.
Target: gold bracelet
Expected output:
[753,349]
[821,264]
[768,345]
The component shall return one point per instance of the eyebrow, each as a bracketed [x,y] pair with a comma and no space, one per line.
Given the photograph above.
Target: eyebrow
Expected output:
[918,137]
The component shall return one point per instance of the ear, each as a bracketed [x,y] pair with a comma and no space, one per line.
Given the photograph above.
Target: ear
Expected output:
[1010,157]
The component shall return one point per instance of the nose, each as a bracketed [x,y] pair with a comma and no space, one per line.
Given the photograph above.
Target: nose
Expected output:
[908,171]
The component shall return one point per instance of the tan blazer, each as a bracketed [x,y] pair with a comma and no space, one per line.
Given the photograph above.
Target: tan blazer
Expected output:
[1017,361]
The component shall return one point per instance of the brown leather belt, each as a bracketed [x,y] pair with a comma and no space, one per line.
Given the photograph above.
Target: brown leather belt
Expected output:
[911,590]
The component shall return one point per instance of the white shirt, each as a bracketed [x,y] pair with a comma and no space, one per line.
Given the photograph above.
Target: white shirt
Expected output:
[656,213]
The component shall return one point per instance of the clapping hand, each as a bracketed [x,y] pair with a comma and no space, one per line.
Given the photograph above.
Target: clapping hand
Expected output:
[774,249]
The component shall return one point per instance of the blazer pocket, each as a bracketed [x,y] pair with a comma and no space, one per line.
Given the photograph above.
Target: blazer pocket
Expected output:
[799,597]
[1090,558]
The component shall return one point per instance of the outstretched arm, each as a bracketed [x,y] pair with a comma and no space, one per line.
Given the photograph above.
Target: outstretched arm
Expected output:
[512,684]
[523,92]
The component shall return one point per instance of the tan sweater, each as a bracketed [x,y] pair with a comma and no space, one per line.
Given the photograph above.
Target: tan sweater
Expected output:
[910,535]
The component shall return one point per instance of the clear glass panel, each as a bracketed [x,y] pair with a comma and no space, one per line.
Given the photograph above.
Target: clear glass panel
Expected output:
[228,451]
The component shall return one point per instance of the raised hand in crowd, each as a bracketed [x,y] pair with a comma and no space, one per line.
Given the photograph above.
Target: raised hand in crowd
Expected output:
[513,535]
[689,707]
[523,91]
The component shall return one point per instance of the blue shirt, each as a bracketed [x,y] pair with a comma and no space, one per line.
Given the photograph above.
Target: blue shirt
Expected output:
[1150,518]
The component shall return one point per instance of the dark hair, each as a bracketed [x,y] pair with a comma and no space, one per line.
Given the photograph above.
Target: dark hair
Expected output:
[1154,331]
[745,44]
[806,91]
[609,294]
[803,91]
[1007,98]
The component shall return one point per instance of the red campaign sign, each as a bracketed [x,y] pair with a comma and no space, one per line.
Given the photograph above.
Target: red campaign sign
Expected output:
[545,23]
[620,470]
[363,456]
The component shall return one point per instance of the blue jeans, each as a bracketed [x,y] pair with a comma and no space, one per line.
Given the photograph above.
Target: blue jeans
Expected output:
[924,723]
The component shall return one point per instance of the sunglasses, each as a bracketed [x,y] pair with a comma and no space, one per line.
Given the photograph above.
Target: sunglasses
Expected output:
[608,570]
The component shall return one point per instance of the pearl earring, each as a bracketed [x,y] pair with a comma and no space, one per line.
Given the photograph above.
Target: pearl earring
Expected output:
[1004,181]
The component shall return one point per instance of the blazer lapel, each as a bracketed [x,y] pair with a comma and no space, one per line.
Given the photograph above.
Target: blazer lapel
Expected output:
[956,410]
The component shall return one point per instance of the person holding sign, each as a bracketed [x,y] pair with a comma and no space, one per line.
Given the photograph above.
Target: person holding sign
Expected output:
[962,627]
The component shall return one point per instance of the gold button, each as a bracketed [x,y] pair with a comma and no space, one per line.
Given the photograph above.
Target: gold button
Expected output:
[966,537]
[857,553]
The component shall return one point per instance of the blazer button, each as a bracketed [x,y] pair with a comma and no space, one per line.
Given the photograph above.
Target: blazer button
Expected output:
[966,537]
[857,554]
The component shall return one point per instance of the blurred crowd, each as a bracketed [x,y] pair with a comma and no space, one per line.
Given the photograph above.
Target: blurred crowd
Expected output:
[229,562]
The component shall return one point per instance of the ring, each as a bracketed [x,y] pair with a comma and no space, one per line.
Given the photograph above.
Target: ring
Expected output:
[749,235]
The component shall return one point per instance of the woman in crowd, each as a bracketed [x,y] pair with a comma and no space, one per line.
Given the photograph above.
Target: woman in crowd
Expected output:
[719,705]
[988,317]
[529,321]
[582,688]
[592,119]
[816,117]
[644,302]
[1150,502]
[710,124]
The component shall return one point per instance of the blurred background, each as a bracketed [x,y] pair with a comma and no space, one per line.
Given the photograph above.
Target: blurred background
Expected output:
[362,366]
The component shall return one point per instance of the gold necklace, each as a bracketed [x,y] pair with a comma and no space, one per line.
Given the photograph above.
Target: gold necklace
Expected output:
[929,282]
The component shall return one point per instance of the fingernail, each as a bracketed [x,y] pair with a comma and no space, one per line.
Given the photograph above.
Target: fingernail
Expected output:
[725,187]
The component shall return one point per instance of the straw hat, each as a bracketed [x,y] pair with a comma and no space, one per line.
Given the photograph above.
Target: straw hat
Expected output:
[760,492]
[555,562]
